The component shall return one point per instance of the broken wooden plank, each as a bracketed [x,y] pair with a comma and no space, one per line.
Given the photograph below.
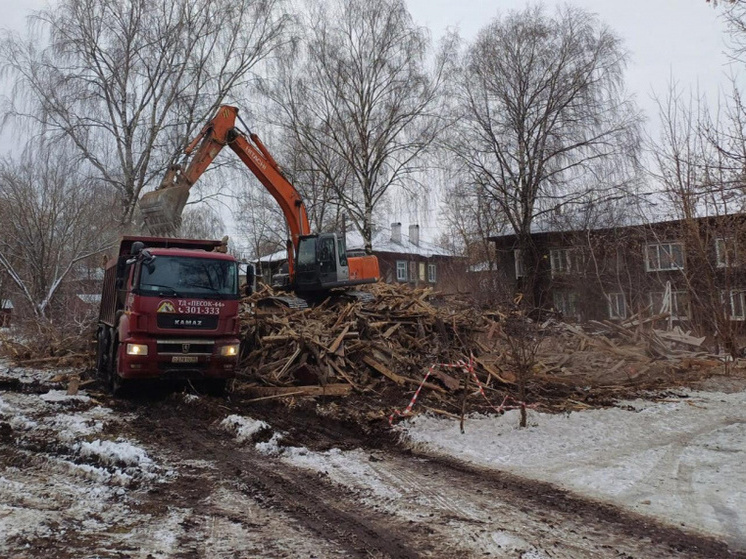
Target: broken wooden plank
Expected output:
[338,341]
[500,377]
[385,371]
[450,382]
[73,385]
[310,391]
[680,338]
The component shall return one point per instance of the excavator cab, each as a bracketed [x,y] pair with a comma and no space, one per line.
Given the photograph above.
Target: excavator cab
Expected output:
[321,262]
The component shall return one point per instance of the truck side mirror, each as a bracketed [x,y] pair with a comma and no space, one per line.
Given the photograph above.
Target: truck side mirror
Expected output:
[137,248]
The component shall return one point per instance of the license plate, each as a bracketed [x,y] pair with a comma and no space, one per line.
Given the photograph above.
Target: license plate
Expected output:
[184,359]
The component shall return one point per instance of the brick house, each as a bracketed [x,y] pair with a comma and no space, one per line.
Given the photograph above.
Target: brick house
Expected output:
[686,269]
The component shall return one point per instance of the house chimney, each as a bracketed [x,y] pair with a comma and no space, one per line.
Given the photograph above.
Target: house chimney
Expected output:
[414,235]
[396,233]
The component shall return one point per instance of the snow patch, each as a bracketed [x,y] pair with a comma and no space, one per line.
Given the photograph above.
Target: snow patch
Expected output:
[74,427]
[343,467]
[272,446]
[5,408]
[63,396]
[680,459]
[22,423]
[111,453]
[244,428]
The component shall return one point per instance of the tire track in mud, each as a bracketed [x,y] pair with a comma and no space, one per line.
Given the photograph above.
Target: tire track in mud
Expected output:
[329,512]
[554,522]
[598,517]
[559,507]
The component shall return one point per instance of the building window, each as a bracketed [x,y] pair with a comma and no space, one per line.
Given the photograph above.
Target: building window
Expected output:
[566,302]
[413,271]
[401,270]
[520,268]
[422,271]
[431,273]
[664,256]
[725,252]
[678,308]
[617,305]
[564,261]
[735,304]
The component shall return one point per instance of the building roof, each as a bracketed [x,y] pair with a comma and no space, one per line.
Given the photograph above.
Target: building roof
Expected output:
[647,208]
[629,225]
[382,243]
[6,304]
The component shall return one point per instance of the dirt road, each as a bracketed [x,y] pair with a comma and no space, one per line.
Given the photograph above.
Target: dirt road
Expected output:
[164,478]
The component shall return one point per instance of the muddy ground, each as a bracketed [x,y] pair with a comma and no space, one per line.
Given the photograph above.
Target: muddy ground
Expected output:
[166,476]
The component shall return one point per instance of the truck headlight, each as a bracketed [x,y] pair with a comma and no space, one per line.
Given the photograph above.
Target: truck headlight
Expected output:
[230,350]
[137,349]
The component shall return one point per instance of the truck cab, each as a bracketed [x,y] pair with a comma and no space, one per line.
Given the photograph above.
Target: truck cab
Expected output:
[169,310]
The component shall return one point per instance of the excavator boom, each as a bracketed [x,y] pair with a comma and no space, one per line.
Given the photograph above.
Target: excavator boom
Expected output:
[161,209]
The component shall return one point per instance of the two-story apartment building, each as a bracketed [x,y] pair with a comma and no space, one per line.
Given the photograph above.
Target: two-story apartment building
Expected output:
[689,270]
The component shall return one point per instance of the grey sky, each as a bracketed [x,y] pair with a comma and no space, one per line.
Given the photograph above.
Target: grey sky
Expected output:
[679,38]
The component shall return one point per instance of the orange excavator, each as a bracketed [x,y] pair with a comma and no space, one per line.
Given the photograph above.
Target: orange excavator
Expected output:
[316,262]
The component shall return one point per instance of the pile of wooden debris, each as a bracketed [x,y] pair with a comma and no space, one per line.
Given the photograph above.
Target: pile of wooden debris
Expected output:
[387,346]
[44,345]
[343,345]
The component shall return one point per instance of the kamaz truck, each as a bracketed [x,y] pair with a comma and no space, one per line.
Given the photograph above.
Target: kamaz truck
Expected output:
[169,310]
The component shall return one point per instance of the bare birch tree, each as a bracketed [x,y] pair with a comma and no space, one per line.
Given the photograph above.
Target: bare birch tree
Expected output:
[129,81]
[699,161]
[201,222]
[259,221]
[541,108]
[52,218]
[361,100]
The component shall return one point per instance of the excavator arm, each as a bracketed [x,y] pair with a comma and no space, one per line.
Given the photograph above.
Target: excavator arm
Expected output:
[162,208]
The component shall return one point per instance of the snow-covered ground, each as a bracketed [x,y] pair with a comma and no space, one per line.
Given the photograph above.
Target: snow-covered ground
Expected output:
[681,459]
[68,478]
[73,473]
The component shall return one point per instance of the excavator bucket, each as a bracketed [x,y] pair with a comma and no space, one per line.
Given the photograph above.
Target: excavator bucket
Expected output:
[161,209]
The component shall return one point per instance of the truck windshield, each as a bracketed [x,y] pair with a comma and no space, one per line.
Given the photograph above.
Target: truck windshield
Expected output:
[181,276]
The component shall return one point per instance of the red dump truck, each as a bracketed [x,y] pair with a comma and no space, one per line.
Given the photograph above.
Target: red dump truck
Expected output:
[169,310]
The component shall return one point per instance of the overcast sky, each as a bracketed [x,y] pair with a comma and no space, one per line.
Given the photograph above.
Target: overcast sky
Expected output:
[665,38]
[679,38]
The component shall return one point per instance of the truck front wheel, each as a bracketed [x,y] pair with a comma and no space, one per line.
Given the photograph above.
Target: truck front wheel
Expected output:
[103,341]
[117,385]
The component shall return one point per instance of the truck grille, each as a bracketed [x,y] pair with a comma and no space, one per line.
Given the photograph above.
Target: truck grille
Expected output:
[185,347]
[187,321]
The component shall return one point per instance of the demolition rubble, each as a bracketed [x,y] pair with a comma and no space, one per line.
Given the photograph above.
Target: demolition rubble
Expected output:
[378,353]
[375,355]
